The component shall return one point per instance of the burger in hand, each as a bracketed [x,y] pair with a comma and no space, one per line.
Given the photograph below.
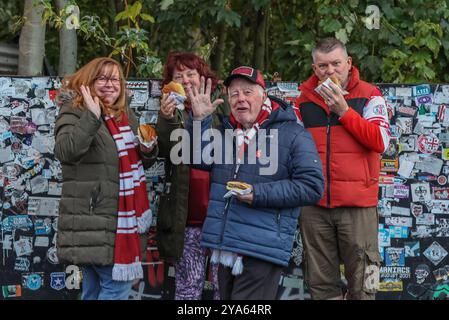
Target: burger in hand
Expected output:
[147,135]
[176,90]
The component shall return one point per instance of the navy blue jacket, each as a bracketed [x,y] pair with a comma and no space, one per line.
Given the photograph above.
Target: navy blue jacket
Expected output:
[264,229]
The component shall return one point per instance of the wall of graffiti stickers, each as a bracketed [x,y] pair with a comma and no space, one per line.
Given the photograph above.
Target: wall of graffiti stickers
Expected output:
[413,193]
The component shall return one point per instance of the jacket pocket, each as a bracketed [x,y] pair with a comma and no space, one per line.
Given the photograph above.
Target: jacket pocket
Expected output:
[369,180]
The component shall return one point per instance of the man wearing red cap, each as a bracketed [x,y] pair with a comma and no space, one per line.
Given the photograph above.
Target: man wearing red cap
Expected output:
[349,124]
[251,233]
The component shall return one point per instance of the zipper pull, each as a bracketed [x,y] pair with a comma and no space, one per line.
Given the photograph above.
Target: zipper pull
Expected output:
[328,125]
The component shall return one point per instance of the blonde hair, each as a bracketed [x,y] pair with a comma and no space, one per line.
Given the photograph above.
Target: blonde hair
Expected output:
[86,76]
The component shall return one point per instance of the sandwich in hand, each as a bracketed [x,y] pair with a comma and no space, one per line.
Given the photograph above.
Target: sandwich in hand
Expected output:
[237,188]
[147,135]
[334,79]
[327,82]
[176,90]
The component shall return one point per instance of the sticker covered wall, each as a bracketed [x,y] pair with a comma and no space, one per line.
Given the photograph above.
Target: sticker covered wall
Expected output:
[413,196]
[414,193]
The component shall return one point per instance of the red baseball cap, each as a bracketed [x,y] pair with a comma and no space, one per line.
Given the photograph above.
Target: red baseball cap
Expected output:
[248,73]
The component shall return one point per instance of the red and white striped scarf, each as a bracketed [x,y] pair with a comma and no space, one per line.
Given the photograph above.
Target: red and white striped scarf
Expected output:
[134,213]
[244,138]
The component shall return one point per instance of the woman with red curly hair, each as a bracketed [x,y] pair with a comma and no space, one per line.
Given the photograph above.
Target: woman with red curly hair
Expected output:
[183,206]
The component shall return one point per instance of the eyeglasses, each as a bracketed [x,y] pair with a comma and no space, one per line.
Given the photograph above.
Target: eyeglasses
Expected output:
[103,80]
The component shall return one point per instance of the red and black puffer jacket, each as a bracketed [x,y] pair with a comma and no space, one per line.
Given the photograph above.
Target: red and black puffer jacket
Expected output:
[349,146]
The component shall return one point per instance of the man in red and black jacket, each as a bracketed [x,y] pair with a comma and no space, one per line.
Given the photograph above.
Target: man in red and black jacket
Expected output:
[349,123]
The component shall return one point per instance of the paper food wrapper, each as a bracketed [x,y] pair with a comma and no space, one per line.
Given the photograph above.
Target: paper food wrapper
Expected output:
[179,100]
[146,144]
[327,83]
[231,193]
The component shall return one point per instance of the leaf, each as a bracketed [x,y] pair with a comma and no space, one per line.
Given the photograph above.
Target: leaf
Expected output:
[135,9]
[331,26]
[121,16]
[353,3]
[165,4]
[147,17]
[292,42]
[341,35]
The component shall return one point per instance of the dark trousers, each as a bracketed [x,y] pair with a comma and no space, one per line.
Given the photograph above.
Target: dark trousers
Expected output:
[258,281]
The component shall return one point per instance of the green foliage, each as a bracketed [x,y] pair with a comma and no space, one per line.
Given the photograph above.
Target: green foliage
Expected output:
[411,45]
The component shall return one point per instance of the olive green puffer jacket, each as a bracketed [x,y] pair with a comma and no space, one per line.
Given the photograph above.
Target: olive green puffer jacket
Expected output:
[90,168]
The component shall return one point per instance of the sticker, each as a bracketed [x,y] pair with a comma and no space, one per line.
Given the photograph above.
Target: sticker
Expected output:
[158,169]
[442,180]
[32,281]
[426,219]
[54,188]
[398,232]
[400,211]
[442,227]
[22,264]
[441,274]
[435,253]
[440,193]
[416,209]
[403,91]
[42,226]
[394,257]
[51,255]
[411,249]
[407,111]
[440,207]
[23,247]
[41,241]
[421,273]
[406,169]
[389,165]
[57,280]
[392,150]
[384,236]
[428,143]
[426,99]
[404,125]
[401,191]
[399,221]
[40,206]
[421,90]
[12,291]
[420,192]
[22,222]
[395,273]
[386,178]
[393,286]
[7,242]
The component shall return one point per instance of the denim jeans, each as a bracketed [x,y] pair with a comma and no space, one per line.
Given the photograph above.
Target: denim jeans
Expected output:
[98,285]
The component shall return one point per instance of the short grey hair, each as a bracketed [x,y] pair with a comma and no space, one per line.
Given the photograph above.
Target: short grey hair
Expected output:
[327,45]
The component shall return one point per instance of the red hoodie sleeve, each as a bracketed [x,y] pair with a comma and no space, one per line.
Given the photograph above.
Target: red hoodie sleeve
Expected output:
[373,129]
